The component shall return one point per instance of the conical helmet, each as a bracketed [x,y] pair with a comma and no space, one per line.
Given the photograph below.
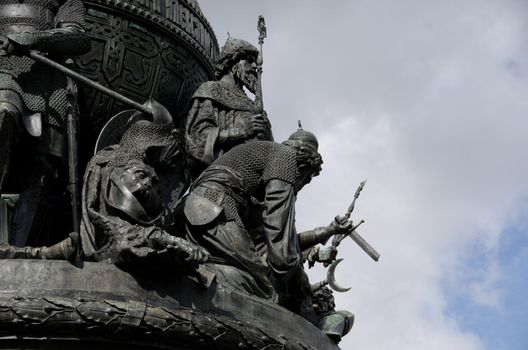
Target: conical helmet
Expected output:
[304,138]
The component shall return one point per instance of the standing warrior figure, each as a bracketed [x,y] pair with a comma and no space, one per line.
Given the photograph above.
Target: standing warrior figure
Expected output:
[33,97]
[222,115]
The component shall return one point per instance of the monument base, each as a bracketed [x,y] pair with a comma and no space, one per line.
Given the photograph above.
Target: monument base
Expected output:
[46,304]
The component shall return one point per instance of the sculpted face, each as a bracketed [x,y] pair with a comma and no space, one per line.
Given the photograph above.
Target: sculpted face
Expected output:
[246,73]
[140,179]
[304,177]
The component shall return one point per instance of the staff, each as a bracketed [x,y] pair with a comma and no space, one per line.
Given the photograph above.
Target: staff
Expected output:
[261,26]
[73,143]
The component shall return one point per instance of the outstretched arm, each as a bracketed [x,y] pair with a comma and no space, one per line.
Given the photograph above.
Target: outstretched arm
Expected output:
[321,235]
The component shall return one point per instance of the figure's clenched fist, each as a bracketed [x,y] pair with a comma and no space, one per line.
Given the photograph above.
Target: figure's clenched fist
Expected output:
[191,253]
[340,226]
[256,124]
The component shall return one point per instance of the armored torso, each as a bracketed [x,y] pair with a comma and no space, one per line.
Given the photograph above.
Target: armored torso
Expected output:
[258,162]
[242,173]
[42,89]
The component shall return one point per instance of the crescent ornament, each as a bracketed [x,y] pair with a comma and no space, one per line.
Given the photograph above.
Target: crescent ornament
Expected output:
[330,277]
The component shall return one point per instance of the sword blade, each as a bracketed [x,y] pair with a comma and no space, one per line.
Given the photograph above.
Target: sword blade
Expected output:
[367,248]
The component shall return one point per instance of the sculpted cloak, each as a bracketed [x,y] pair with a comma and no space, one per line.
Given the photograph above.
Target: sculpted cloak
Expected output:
[218,106]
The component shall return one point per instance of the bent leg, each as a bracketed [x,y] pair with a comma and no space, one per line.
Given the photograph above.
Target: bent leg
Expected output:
[7,139]
[33,208]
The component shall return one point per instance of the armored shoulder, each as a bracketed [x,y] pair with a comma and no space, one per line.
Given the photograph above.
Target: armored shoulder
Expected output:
[71,12]
[281,164]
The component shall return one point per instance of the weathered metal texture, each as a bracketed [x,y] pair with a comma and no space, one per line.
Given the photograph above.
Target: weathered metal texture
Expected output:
[53,302]
[162,49]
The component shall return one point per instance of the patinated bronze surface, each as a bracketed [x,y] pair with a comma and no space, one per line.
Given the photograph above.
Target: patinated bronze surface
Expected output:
[124,218]
[222,115]
[142,49]
[34,107]
[149,264]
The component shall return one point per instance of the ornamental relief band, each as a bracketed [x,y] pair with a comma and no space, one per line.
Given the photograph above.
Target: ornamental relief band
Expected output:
[183,13]
[144,186]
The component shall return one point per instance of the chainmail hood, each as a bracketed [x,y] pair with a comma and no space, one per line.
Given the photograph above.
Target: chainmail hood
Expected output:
[141,137]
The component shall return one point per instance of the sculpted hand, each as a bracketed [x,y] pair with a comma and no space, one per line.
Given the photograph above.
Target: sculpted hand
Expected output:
[327,255]
[6,48]
[253,125]
[192,253]
[256,124]
[198,255]
[340,226]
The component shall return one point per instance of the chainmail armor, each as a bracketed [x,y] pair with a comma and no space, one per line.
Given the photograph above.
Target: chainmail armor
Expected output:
[260,161]
[224,200]
[139,138]
[255,163]
[41,88]
[71,12]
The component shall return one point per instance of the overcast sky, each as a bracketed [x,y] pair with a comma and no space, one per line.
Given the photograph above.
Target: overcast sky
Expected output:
[427,100]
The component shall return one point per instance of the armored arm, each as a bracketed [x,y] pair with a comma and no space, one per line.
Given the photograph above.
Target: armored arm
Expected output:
[308,241]
[321,235]
[311,238]
[67,38]
[64,41]
[192,253]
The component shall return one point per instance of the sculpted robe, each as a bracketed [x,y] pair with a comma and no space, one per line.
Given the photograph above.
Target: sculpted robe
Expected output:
[217,106]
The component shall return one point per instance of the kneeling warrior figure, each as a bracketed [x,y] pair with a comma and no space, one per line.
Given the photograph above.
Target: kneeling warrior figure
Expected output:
[242,210]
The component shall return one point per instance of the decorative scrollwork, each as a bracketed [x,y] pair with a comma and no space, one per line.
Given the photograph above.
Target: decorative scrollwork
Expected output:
[162,49]
[117,320]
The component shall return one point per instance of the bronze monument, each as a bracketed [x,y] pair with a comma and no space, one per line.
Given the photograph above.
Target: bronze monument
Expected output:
[138,256]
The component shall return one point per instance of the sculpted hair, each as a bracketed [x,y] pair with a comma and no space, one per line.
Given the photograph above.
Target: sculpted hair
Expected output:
[307,157]
[224,66]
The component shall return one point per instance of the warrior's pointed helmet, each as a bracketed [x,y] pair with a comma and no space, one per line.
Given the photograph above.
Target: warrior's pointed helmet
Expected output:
[306,145]
[304,138]
[233,51]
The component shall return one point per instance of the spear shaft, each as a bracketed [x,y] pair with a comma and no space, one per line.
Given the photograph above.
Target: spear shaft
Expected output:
[82,79]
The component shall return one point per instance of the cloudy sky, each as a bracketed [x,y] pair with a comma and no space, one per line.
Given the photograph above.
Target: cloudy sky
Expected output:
[427,100]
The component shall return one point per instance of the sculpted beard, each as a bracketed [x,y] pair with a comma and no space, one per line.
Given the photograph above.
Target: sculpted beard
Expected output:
[248,77]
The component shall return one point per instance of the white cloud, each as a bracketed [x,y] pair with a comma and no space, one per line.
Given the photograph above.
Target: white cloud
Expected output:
[427,100]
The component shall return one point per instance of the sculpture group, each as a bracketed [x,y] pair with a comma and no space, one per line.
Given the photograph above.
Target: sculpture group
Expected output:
[212,196]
